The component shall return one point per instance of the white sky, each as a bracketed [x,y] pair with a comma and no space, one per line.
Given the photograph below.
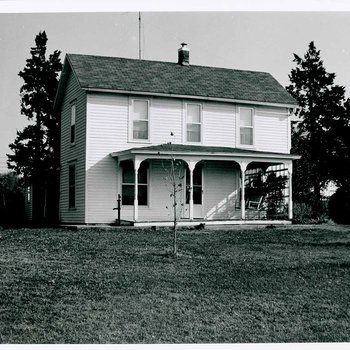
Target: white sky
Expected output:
[256,40]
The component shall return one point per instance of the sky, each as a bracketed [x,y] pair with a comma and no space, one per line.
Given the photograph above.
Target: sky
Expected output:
[263,40]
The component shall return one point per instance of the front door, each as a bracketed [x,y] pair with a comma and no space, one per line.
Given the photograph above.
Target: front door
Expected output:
[197,193]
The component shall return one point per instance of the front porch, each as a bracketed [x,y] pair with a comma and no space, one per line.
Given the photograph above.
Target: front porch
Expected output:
[217,185]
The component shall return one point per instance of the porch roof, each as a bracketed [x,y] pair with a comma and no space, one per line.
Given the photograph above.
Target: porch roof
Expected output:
[203,152]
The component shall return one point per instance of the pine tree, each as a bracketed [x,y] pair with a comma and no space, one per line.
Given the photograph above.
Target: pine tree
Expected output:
[340,160]
[321,113]
[36,148]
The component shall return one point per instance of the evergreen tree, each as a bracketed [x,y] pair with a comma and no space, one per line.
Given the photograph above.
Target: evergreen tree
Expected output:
[36,148]
[320,116]
[340,160]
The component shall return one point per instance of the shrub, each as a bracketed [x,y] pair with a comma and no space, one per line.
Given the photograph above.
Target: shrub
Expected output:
[273,187]
[303,214]
[339,206]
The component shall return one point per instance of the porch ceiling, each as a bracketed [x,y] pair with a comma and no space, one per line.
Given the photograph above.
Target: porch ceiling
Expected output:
[201,153]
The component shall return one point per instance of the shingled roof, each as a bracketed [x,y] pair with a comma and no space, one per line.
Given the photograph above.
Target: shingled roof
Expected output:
[165,78]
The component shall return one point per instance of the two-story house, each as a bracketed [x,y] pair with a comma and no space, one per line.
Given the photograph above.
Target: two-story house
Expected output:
[117,114]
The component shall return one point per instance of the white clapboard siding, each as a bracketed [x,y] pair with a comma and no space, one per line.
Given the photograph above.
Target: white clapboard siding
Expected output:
[221,190]
[219,124]
[107,131]
[101,192]
[107,126]
[272,130]
[70,153]
[166,118]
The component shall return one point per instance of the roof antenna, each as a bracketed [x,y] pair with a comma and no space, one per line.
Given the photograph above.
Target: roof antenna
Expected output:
[140,56]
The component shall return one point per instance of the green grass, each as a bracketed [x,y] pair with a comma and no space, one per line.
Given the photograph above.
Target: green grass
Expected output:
[262,285]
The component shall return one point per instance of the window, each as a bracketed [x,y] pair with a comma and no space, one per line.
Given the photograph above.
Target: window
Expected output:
[29,192]
[140,120]
[193,123]
[72,123]
[128,183]
[246,124]
[197,185]
[71,187]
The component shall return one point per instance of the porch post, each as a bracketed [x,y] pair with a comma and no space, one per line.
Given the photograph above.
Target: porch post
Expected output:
[290,197]
[243,166]
[191,166]
[136,188]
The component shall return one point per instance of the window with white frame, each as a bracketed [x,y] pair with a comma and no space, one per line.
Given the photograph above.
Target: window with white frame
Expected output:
[140,120]
[72,123]
[128,183]
[193,123]
[246,126]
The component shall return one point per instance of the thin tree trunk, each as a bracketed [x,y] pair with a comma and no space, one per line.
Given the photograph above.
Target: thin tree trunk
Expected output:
[175,218]
[316,200]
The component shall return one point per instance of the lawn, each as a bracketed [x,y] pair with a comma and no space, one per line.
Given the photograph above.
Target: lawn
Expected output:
[121,286]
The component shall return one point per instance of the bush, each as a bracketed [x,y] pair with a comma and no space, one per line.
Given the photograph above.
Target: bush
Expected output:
[303,214]
[339,206]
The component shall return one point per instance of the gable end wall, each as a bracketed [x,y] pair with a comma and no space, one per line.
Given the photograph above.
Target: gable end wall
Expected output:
[73,153]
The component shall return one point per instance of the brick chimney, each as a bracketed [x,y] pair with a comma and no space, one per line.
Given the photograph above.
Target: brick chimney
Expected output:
[184,55]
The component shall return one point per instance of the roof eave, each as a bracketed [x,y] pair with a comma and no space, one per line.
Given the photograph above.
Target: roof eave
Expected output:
[67,69]
[61,84]
[262,155]
[206,98]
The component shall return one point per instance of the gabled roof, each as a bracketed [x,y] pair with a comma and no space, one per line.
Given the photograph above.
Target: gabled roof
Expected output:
[126,75]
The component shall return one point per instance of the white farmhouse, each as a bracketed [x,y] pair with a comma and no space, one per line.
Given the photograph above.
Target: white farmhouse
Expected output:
[118,116]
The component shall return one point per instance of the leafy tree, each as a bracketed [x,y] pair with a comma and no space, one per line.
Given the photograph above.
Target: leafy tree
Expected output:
[36,148]
[320,116]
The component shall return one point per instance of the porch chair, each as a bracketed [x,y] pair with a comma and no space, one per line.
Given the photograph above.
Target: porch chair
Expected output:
[254,202]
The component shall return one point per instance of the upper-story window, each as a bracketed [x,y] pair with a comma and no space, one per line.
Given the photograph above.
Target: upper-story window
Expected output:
[140,120]
[246,126]
[72,122]
[194,123]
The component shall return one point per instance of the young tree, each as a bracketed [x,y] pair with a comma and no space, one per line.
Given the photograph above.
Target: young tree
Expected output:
[174,177]
[321,109]
[36,148]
